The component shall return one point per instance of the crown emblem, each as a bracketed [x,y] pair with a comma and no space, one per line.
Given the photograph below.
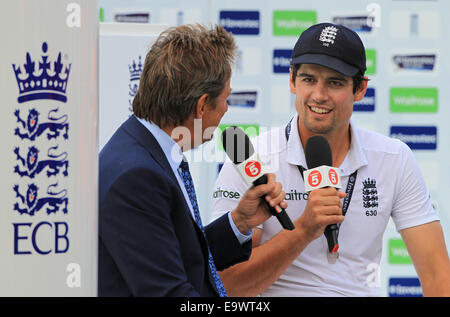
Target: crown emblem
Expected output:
[135,70]
[328,35]
[369,183]
[46,82]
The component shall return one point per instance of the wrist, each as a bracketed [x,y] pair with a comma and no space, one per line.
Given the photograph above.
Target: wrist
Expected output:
[240,222]
[303,233]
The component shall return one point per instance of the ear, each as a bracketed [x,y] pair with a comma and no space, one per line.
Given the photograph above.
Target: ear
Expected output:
[201,107]
[291,82]
[359,94]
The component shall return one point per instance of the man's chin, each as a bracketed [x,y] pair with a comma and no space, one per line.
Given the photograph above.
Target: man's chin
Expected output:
[320,128]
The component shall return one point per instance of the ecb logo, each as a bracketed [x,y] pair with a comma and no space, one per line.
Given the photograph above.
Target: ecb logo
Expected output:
[31,165]
[41,160]
[31,129]
[32,204]
[135,76]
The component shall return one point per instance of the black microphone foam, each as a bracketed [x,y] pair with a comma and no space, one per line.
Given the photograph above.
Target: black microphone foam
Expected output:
[237,144]
[239,148]
[318,152]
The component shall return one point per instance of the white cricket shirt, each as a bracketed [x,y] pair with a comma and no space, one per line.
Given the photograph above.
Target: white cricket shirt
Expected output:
[388,184]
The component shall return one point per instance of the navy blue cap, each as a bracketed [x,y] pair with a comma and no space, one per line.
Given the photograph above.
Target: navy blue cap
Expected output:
[333,46]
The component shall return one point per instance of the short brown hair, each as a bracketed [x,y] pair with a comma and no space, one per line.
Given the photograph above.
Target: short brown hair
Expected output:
[184,63]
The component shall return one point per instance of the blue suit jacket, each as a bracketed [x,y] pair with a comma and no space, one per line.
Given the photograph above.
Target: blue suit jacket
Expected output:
[149,244]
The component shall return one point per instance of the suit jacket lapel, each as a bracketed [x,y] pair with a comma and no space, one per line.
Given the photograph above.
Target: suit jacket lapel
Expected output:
[141,134]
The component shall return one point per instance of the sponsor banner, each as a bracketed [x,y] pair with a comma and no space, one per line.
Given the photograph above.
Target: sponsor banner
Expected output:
[414,62]
[251,130]
[243,99]
[397,253]
[417,138]
[124,16]
[413,99]
[292,23]
[371,61]
[423,63]
[361,22]
[179,16]
[219,168]
[240,22]
[367,104]
[404,287]
[248,61]
[281,61]
[48,219]
[424,24]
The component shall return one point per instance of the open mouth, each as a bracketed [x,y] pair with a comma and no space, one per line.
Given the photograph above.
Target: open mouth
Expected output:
[319,110]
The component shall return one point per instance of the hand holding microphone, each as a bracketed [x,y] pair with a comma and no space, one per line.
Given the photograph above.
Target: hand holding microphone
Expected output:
[324,209]
[240,150]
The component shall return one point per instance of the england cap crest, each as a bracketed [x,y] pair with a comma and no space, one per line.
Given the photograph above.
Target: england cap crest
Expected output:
[333,46]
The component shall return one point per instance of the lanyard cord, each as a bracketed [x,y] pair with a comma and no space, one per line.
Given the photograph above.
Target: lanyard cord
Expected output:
[351,180]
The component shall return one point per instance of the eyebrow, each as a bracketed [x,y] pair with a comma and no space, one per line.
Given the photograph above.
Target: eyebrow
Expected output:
[338,78]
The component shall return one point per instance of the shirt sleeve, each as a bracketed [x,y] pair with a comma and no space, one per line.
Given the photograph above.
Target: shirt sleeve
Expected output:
[243,238]
[412,205]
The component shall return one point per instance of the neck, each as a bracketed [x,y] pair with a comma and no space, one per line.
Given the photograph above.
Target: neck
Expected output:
[339,143]
[183,135]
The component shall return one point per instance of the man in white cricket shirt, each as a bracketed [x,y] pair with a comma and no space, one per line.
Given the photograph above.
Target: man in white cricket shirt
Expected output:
[379,175]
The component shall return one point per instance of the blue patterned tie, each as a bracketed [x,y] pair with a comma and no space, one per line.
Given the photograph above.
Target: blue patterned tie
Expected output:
[189,185]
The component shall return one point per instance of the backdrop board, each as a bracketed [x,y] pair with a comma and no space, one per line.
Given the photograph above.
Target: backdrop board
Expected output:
[48,84]
[122,51]
[407,97]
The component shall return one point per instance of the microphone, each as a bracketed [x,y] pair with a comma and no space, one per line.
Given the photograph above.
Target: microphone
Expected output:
[321,174]
[240,150]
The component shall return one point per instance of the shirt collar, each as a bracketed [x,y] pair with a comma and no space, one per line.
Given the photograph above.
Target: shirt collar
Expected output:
[295,152]
[353,161]
[171,149]
[355,158]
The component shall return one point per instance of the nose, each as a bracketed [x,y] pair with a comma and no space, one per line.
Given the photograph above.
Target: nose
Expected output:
[319,94]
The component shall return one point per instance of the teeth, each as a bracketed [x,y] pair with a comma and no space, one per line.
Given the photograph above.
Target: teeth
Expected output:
[319,110]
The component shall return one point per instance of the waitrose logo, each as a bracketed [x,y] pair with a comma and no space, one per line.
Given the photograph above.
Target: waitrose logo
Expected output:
[398,253]
[371,61]
[251,130]
[292,23]
[414,99]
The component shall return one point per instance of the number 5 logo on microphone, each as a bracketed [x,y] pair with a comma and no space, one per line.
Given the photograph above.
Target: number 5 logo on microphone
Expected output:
[334,177]
[315,178]
[253,168]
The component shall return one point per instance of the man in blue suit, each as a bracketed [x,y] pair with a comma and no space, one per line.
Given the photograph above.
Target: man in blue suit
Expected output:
[151,239]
